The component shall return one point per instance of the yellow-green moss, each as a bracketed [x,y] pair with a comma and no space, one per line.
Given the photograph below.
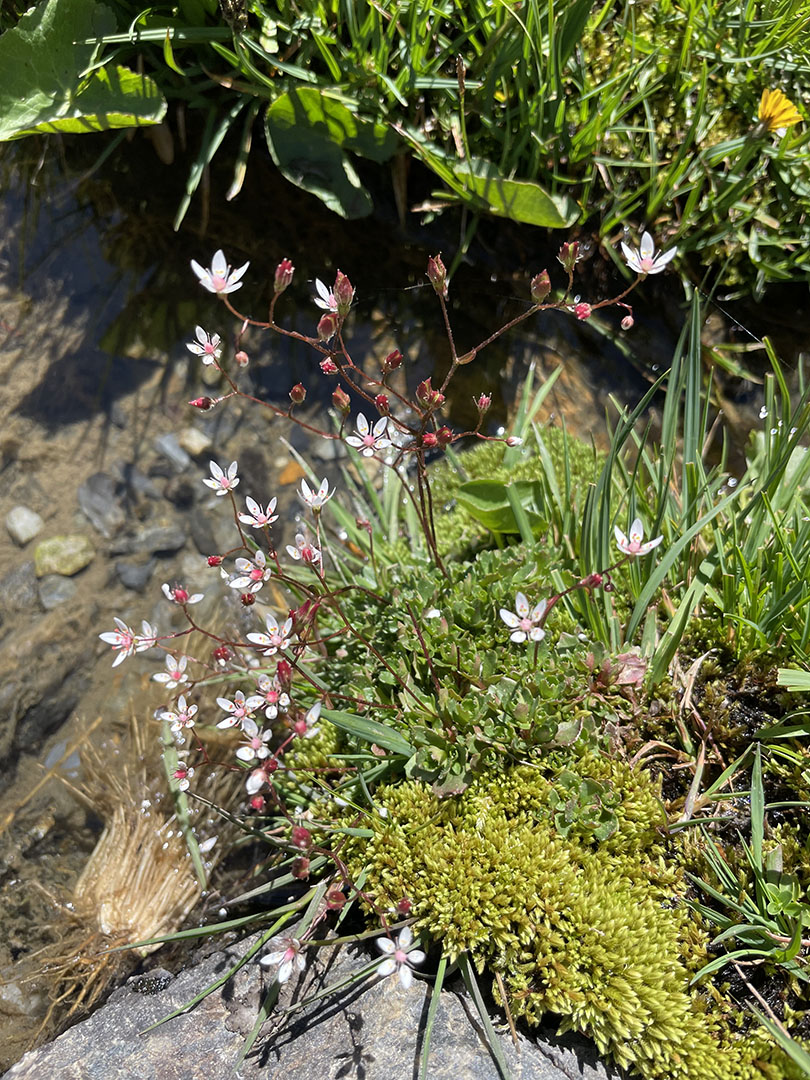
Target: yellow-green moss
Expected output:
[597,934]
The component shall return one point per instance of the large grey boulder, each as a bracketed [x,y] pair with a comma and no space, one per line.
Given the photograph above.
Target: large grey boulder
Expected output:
[369,1032]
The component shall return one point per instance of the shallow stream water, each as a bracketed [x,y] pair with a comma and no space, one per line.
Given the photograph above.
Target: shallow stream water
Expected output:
[97,301]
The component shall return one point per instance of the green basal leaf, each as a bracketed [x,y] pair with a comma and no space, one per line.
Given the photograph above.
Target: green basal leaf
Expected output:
[488,502]
[362,727]
[44,89]
[520,200]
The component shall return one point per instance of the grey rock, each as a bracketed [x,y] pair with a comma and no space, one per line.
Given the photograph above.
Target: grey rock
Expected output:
[170,448]
[23,524]
[329,450]
[151,538]
[136,481]
[181,491]
[101,504]
[135,574]
[63,555]
[194,441]
[370,1031]
[202,533]
[54,589]
[18,589]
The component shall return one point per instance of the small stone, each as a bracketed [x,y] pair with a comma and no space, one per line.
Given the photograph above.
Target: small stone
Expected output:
[329,450]
[23,524]
[154,537]
[18,589]
[100,503]
[63,555]
[54,589]
[194,441]
[171,449]
[135,575]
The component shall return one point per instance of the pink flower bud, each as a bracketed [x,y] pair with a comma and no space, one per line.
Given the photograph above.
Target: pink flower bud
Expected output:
[444,436]
[404,906]
[284,673]
[513,440]
[257,802]
[301,837]
[569,253]
[437,275]
[627,322]
[327,327]
[429,440]
[381,401]
[335,899]
[284,275]
[341,401]
[583,311]
[343,294]
[540,287]
[298,394]
[483,402]
[203,403]
[242,358]
[215,560]
[427,396]
[392,361]
[180,595]
[328,366]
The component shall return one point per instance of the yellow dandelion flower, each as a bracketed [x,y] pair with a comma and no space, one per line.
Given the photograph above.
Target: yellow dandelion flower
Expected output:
[777,112]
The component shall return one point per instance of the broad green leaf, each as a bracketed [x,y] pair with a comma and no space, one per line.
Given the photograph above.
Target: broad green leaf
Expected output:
[794,679]
[44,88]
[362,727]
[520,200]
[308,134]
[488,502]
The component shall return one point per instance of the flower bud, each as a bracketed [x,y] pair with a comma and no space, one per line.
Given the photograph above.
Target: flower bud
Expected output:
[257,802]
[222,654]
[444,436]
[341,401]
[215,560]
[427,396]
[247,599]
[180,595]
[569,253]
[327,327]
[483,402]
[271,765]
[298,394]
[382,403]
[300,869]
[335,899]
[328,366]
[540,287]
[203,403]
[284,275]
[437,275]
[513,440]
[429,440]
[627,322]
[583,311]
[301,837]
[284,673]
[242,358]
[392,361]
[404,906]
[343,293]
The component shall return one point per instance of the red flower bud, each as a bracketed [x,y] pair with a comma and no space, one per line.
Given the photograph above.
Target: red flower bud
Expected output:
[298,394]
[429,440]
[583,311]
[404,906]
[335,899]
[427,396]
[301,837]
[343,294]
[569,253]
[284,275]
[203,403]
[392,361]
[381,401]
[215,560]
[257,802]
[444,436]
[180,595]
[328,366]
[341,401]
[327,327]
[540,287]
[300,869]
[222,654]
[271,765]
[284,673]
[483,402]
[627,322]
[247,599]
[437,275]
[242,358]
